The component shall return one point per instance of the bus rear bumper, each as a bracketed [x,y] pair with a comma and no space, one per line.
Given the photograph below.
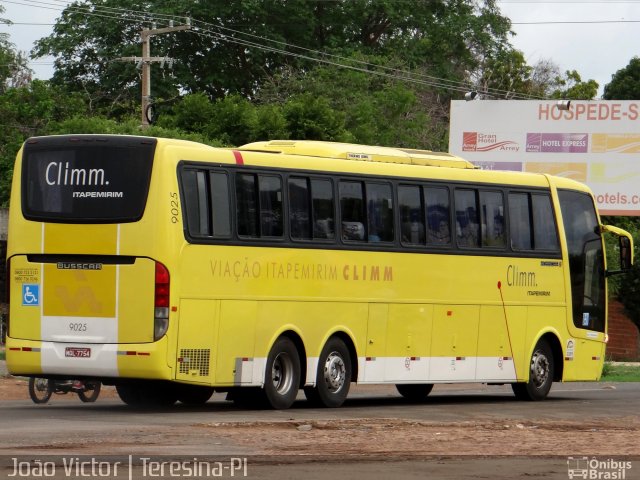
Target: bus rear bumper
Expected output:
[74,360]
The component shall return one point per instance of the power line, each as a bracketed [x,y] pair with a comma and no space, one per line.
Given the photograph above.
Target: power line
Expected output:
[206,31]
[574,22]
[31,24]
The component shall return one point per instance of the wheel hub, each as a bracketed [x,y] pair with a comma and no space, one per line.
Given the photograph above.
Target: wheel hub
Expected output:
[539,369]
[334,372]
[281,373]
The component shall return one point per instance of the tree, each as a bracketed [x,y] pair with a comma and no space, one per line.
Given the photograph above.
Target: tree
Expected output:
[625,83]
[571,87]
[312,118]
[238,44]
[14,71]
[377,110]
[29,111]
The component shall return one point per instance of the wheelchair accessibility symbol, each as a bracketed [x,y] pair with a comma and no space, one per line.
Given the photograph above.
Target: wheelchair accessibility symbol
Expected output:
[30,295]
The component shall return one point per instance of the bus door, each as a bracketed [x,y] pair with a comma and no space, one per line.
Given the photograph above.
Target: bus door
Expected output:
[587,275]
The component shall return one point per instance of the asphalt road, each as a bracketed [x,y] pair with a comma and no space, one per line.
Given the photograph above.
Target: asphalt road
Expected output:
[66,427]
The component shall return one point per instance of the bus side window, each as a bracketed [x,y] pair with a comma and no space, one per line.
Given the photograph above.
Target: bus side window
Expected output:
[544,225]
[438,215]
[411,215]
[271,213]
[246,205]
[520,221]
[323,209]
[352,210]
[220,204]
[467,225]
[194,186]
[299,208]
[492,211]
[379,212]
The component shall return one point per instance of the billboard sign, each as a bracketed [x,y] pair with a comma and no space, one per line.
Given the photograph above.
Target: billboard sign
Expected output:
[594,142]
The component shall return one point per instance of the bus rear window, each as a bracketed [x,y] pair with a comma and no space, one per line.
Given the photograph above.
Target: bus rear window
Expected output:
[86,179]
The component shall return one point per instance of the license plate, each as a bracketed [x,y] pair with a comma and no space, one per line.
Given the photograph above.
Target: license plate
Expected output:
[77,352]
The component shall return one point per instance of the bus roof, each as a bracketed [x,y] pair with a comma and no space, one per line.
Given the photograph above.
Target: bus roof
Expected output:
[349,151]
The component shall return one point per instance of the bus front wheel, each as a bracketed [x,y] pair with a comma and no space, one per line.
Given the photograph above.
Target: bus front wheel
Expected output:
[541,370]
[282,375]
[333,377]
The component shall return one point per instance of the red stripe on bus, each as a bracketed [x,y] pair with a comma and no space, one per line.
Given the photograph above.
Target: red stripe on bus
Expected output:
[238,156]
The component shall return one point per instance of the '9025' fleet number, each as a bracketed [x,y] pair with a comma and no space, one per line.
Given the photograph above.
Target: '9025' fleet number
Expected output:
[78,327]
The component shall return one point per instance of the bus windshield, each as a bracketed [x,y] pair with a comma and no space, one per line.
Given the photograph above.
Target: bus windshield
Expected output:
[86,179]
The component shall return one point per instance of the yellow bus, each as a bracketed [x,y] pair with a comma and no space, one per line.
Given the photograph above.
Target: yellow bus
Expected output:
[171,269]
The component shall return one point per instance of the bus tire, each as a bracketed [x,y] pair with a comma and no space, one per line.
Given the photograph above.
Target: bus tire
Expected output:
[147,394]
[194,394]
[416,392]
[40,389]
[333,377]
[248,397]
[541,372]
[282,374]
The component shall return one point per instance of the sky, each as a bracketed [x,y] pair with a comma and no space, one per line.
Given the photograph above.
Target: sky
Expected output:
[596,38]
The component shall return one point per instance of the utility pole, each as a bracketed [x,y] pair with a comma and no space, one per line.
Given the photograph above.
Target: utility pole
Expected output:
[146,60]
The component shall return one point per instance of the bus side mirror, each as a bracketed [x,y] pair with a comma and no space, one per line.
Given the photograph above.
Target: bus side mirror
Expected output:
[625,254]
[625,243]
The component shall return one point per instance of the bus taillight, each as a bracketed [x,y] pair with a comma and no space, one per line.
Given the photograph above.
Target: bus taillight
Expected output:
[161,303]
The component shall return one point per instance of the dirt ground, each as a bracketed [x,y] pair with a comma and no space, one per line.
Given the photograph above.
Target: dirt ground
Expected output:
[395,438]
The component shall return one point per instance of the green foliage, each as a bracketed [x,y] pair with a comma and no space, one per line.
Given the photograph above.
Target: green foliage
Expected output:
[625,287]
[312,118]
[571,87]
[625,83]
[376,110]
[14,71]
[238,45]
[270,123]
[193,113]
[222,90]
[614,372]
[233,120]
[28,111]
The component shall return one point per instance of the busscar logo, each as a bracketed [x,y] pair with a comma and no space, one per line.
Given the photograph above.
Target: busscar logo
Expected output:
[79,266]
[487,142]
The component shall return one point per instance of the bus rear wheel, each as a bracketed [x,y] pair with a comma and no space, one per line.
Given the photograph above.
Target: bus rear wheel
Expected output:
[416,392]
[333,377]
[541,372]
[194,394]
[282,374]
[147,394]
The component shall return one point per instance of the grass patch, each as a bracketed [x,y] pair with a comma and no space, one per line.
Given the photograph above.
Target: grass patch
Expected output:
[620,373]
[2,354]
